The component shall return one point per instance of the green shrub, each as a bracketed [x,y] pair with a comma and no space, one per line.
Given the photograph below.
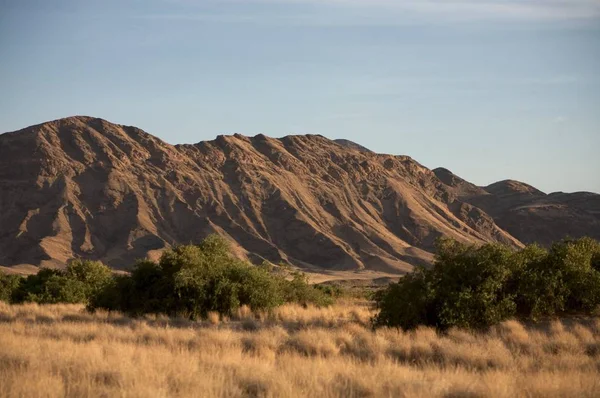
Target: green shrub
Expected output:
[8,286]
[192,280]
[408,303]
[561,279]
[76,284]
[146,290]
[298,290]
[476,287]
[465,288]
[333,291]
[224,288]
[574,259]
[116,295]
[469,285]
[50,286]
[93,274]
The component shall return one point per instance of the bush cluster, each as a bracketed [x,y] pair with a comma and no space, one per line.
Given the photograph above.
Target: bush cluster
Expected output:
[81,280]
[187,281]
[476,287]
[8,285]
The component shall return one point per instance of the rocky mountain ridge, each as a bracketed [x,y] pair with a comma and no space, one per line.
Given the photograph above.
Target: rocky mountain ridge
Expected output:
[84,187]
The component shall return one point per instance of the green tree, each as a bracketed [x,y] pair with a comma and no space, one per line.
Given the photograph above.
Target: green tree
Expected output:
[408,303]
[192,280]
[8,286]
[558,280]
[470,285]
[93,274]
[476,287]
[50,286]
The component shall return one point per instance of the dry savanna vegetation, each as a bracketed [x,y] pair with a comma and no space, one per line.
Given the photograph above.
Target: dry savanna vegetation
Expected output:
[293,351]
[202,323]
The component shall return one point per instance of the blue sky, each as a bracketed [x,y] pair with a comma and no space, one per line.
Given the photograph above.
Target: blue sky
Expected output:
[491,89]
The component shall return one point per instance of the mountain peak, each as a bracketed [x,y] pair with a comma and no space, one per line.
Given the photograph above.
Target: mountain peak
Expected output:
[84,187]
[352,145]
[458,186]
[512,187]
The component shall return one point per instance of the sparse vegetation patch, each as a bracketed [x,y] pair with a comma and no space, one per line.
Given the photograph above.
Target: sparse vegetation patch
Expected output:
[476,287]
[188,281]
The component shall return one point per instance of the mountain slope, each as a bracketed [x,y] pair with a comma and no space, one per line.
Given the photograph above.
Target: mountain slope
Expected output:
[352,145]
[84,187]
[529,214]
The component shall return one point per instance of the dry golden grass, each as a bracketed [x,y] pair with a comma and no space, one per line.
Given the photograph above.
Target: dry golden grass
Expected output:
[60,350]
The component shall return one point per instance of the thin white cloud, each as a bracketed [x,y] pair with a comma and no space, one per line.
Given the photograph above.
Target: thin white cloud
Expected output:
[379,12]
[471,9]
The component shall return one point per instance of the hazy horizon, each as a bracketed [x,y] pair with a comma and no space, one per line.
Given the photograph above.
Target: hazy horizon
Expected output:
[490,90]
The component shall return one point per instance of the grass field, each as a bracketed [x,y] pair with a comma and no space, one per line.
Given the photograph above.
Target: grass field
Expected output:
[60,350]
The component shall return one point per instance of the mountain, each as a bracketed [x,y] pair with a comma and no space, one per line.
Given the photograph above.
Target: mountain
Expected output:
[352,145]
[529,214]
[84,187]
